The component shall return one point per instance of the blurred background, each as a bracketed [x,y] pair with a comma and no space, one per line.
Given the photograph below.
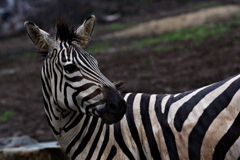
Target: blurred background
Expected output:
[154,46]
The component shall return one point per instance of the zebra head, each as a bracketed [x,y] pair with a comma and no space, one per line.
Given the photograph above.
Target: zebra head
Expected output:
[71,78]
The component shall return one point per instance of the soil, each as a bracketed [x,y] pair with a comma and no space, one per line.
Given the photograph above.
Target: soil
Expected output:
[187,66]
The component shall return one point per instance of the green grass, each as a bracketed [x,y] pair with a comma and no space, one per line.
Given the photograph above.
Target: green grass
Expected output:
[119,26]
[184,52]
[13,57]
[6,115]
[30,55]
[160,48]
[237,12]
[146,61]
[203,4]
[237,41]
[116,26]
[198,34]
[161,42]
[100,47]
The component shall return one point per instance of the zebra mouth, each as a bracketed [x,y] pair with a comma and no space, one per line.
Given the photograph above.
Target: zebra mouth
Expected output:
[114,107]
[113,113]
[107,119]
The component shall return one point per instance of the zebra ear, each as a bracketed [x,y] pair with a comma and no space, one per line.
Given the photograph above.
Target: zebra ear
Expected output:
[42,40]
[85,31]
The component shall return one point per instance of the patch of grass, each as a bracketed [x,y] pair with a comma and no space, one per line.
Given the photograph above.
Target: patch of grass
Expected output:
[237,12]
[116,26]
[100,47]
[161,42]
[119,26]
[143,42]
[13,57]
[184,52]
[30,55]
[146,61]
[204,4]
[161,48]
[198,34]
[6,115]
[236,41]
[234,23]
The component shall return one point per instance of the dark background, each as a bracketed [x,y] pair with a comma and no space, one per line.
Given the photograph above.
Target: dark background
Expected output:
[186,66]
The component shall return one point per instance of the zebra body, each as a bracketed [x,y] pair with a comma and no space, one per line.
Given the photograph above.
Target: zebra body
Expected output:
[91,120]
[198,124]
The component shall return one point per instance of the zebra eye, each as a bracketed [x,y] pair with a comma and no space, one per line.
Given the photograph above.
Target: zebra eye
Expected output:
[70,68]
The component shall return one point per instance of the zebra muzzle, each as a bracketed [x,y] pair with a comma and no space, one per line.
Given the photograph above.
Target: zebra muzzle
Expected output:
[115,107]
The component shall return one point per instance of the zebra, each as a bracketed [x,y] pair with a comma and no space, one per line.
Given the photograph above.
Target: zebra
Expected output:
[92,119]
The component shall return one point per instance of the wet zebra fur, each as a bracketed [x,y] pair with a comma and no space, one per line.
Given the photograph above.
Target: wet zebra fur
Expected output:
[91,120]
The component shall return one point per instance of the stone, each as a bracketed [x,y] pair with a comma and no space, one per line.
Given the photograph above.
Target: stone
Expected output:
[38,151]
[11,142]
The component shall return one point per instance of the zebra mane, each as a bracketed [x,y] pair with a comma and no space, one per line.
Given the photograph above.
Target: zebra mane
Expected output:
[120,87]
[64,33]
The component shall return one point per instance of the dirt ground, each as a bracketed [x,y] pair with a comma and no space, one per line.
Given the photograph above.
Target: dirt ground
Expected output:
[142,70]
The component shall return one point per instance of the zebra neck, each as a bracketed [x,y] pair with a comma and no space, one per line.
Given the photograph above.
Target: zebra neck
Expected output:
[76,129]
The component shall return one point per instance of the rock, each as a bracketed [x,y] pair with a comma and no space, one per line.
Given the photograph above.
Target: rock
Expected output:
[39,151]
[11,142]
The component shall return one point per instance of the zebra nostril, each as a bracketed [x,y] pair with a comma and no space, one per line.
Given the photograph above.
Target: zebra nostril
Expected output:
[96,113]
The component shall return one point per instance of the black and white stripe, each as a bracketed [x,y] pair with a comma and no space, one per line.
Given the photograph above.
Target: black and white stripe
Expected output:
[199,124]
